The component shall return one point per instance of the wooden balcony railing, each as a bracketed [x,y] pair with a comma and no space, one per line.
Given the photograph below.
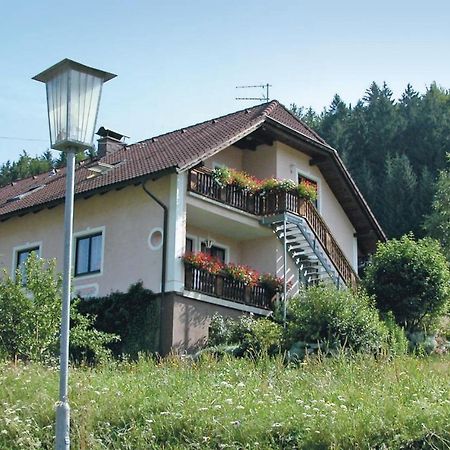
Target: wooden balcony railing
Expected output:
[219,286]
[271,203]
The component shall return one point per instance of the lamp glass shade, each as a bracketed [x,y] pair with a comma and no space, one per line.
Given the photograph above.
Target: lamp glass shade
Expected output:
[73,98]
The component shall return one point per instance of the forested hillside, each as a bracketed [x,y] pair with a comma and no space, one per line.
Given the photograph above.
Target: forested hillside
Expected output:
[394,149]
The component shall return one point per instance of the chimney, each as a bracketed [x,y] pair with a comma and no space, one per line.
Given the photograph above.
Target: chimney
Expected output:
[109,142]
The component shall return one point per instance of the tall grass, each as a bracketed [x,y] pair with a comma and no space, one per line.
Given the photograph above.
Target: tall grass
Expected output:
[340,403]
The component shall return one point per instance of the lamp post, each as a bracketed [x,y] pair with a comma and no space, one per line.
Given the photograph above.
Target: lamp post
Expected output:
[73,98]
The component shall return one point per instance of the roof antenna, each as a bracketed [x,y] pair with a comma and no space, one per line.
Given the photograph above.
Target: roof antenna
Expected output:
[263,98]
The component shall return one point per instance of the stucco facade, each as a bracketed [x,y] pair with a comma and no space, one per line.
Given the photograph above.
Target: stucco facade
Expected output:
[125,218]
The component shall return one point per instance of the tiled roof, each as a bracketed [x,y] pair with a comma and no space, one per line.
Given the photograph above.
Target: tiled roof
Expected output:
[175,150]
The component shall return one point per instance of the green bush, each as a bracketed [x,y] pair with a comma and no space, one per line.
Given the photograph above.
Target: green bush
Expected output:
[133,315]
[251,336]
[30,316]
[330,319]
[411,279]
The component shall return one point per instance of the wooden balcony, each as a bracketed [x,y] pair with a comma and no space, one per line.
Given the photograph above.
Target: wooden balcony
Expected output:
[199,280]
[272,203]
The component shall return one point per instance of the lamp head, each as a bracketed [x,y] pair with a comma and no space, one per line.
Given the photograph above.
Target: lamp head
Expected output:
[73,99]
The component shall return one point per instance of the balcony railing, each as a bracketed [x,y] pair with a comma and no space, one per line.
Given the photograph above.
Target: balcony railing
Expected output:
[200,280]
[271,203]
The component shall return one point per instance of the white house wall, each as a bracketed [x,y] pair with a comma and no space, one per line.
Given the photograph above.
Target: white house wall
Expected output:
[289,161]
[127,217]
[283,162]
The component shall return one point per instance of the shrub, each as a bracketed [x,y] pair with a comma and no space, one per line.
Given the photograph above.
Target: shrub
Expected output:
[133,315]
[30,316]
[330,319]
[411,279]
[251,336]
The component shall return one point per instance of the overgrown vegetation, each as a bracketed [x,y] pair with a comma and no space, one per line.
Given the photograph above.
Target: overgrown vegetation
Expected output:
[31,316]
[246,336]
[134,316]
[331,320]
[336,403]
[320,320]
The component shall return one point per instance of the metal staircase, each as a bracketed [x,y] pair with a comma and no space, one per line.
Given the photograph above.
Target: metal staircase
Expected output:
[305,249]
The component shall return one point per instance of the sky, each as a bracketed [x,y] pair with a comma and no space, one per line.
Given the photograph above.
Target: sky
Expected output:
[178,62]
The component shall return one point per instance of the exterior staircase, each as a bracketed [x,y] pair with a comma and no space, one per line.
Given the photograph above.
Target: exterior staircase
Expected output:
[311,259]
[308,239]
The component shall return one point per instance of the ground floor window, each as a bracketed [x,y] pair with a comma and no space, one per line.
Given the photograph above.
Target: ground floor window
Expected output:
[21,258]
[88,254]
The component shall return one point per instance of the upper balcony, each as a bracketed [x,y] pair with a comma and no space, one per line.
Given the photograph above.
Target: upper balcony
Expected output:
[273,203]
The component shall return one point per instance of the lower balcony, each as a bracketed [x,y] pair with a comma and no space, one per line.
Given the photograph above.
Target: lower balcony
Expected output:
[218,285]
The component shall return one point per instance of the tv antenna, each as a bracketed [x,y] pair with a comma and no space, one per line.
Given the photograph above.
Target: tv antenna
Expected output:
[263,98]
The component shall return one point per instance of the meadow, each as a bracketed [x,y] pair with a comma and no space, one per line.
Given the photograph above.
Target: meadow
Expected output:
[357,402]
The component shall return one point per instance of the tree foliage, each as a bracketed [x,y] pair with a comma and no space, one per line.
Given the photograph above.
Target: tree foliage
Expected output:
[394,149]
[438,222]
[27,166]
[30,316]
[411,279]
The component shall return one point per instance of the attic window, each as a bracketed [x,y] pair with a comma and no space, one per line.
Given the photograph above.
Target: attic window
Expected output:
[25,194]
[99,168]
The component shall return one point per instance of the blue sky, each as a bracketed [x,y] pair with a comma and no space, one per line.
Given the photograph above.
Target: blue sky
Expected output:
[178,62]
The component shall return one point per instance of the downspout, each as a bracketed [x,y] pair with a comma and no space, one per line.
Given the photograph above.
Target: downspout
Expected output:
[164,247]
[164,257]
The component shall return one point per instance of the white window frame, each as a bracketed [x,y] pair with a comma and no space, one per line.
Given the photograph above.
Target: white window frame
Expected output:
[85,233]
[316,179]
[149,240]
[21,248]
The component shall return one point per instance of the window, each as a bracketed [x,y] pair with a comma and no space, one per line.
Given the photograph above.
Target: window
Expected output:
[303,179]
[88,254]
[21,257]
[215,251]
[189,245]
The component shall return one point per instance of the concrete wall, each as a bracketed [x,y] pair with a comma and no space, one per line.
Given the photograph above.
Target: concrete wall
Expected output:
[186,321]
[126,218]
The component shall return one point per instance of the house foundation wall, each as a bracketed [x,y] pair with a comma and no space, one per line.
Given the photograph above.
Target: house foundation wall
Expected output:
[185,321]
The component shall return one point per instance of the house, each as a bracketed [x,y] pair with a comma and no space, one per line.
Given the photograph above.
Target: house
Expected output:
[140,207]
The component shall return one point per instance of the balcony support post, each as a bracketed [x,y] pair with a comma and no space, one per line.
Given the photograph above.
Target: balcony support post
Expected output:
[176,232]
[284,271]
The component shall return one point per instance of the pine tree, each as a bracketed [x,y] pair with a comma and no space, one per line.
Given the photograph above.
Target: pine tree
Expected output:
[437,224]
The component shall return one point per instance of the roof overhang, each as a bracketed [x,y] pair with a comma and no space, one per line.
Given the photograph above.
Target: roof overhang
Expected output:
[327,159]
[88,193]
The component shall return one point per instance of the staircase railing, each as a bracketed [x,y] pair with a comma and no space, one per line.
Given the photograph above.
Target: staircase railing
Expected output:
[270,203]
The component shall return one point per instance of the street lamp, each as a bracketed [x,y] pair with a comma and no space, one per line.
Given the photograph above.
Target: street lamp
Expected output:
[73,98]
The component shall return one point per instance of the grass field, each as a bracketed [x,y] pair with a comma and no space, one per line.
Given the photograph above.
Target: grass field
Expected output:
[342,403]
